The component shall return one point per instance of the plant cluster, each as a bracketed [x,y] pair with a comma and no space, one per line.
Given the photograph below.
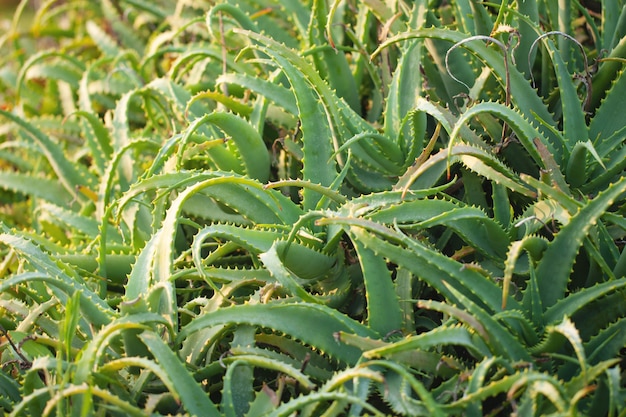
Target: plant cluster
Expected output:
[264,207]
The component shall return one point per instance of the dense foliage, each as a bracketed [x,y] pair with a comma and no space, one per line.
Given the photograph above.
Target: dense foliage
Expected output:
[265,207]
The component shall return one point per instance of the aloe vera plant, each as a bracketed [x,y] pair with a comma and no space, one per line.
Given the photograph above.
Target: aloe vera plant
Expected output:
[334,208]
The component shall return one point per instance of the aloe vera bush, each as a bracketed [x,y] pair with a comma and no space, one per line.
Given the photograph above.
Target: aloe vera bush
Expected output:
[315,208]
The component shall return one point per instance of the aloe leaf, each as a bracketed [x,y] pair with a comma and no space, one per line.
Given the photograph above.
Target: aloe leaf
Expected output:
[229,102]
[315,122]
[613,28]
[533,245]
[390,151]
[44,188]
[576,170]
[562,21]
[228,275]
[87,391]
[272,262]
[254,240]
[335,120]
[474,158]
[405,78]
[568,306]
[363,377]
[574,127]
[403,387]
[427,264]
[608,72]
[188,59]
[81,224]
[69,176]
[329,62]
[569,331]
[237,361]
[441,336]
[471,223]
[510,383]
[423,360]
[289,408]
[527,35]
[264,20]
[106,188]
[54,72]
[607,120]
[177,97]
[313,324]
[9,392]
[405,283]
[477,380]
[98,138]
[525,98]
[271,360]
[140,278]
[603,373]
[250,145]
[556,201]
[239,15]
[496,336]
[607,343]
[159,255]
[301,15]
[463,12]
[105,43]
[263,404]
[192,397]
[453,72]
[61,283]
[121,133]
[292,352]
[245,196]
[525,131]
[615,398]
[552,171]
[34,60]
[362,66]
[280,95]
[85,85]
[555,267]
[448,120]
[124,32]
[369,203]
[237,391]
[93,352]
[115,266]
[601,178]
[383,308]
[502,212]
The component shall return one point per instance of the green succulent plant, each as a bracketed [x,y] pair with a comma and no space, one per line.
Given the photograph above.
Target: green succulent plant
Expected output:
[315,208]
